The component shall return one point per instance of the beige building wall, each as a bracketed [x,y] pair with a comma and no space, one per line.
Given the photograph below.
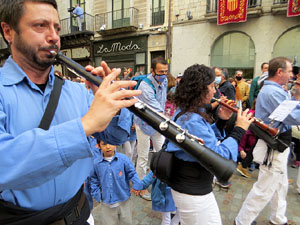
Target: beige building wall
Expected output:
[194,39]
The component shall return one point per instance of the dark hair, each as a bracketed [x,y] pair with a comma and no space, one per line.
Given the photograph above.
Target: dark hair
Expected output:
[276,63]
[262,65]
[11,11]
[157,60]
[193,87]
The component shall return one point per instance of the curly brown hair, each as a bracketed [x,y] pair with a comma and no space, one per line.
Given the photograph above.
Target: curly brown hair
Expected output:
[193,87]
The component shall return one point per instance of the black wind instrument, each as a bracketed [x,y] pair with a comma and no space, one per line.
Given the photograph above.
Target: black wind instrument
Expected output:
[222,168]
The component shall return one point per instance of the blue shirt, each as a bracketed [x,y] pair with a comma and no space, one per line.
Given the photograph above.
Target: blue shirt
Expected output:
[210,134]
[40,169]
[156,101]
[161,195]
[78,11]
[269,98]
[110,180]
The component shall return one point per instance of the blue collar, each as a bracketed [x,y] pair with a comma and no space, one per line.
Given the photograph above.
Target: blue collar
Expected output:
[12,73]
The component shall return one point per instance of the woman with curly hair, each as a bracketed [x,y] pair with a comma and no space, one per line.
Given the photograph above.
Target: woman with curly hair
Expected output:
[192,184]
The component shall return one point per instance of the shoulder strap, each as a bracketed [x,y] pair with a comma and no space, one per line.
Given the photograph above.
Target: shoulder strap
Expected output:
[164,146]
[148,81]
[52,104]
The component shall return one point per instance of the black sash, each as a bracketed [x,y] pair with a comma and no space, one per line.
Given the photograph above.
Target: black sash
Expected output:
[75,211]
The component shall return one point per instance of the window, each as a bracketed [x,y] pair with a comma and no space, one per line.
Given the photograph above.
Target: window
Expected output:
[234,51]
[158,12]
[121,13]
[288,44]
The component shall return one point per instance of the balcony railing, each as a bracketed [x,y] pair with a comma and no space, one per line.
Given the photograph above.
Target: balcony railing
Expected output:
[117,19]
[69,25]
[277,2]
[3,44]
[158,16]
[212,5]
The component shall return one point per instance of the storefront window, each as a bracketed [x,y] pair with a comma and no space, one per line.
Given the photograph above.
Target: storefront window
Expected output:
[234,51]
[288,44]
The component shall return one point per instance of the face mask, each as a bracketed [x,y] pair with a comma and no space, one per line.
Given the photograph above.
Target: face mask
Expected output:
[238,78]
[160,78]
[218,80]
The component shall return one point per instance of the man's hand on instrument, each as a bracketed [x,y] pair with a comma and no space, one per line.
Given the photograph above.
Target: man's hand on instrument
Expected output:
[108,100]
[244,119]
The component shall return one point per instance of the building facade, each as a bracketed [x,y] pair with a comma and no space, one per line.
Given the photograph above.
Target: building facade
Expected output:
[267,33]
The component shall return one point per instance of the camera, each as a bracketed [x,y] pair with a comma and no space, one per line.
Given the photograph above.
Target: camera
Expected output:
[71,9]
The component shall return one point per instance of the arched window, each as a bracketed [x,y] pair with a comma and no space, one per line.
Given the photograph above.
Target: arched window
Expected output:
[234,51]
[288,44]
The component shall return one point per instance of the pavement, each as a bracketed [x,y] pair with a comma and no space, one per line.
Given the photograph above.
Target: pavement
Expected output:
[229,203]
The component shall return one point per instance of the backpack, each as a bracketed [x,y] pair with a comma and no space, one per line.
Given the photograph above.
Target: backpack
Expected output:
[141,78]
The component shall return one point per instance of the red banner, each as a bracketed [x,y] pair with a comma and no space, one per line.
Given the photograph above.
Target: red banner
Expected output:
[293,8]
[232,11]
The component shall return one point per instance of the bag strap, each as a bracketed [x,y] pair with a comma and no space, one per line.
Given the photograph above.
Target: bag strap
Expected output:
[52,104]
[164,146]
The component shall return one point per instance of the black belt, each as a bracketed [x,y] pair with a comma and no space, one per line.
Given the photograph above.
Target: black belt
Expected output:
[75,211]
[74,214]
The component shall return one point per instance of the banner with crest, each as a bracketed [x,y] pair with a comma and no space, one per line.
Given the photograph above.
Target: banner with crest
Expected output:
[293,8]
[232,11]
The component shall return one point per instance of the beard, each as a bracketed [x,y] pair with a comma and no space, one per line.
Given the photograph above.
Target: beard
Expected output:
[30,53]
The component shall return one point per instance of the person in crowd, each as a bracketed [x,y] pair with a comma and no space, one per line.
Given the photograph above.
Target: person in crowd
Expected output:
[171,82]
[78,12]
[129,147]
[170,106]
[242,89]
[110,185]
[272,183]
[178,78]
[224,86]
[156,99]
[246,146]
[33,177]
[254,88]
[162,200]
[295,94]
[192,184]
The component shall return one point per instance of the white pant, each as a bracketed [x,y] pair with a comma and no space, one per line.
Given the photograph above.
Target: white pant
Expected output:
[79,23]
[129,149]
[166,218]
[197,209]
[143,145]
[271,185]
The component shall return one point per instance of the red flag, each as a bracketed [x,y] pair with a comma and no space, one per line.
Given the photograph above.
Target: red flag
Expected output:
[232,11]
[293,8]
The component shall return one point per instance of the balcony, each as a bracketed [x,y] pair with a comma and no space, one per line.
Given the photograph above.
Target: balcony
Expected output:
[254,9]
[119,21]
[158,16]
[212,5]
[70,34]
[279,6]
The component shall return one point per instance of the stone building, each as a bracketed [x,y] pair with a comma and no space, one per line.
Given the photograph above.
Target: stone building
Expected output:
[267,33]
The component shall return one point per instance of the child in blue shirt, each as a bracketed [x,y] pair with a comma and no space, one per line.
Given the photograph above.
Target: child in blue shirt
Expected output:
[162,200]
[110,185]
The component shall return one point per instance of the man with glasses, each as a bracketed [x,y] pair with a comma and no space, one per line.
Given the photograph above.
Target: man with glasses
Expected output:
[156,98]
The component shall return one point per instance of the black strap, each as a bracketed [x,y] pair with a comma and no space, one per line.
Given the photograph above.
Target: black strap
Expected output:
[164,146]
[52,104]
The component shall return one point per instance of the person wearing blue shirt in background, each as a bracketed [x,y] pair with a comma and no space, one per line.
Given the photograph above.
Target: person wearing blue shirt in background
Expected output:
[155,99]
[79,16]
[110,185]
[272,183]
[42,171]
[191,183]
[162,200]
